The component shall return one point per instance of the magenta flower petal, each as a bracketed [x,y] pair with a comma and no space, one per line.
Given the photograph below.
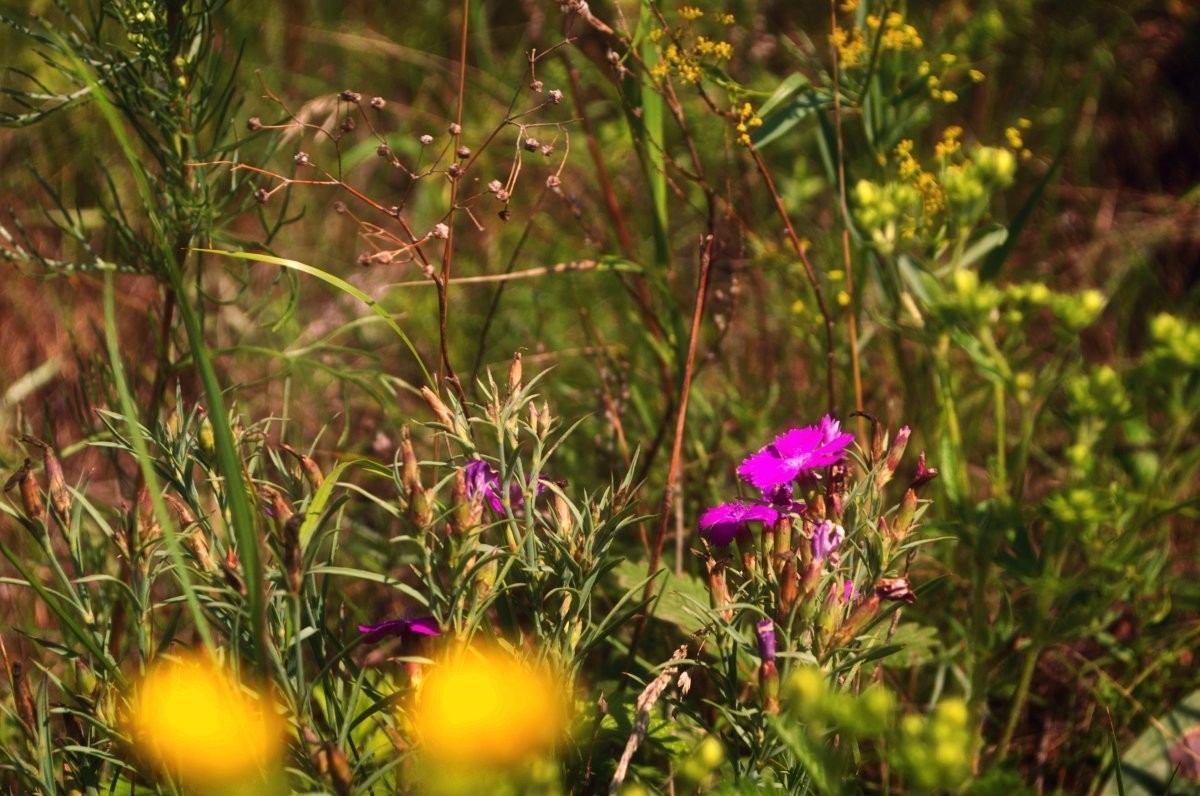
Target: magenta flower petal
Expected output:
[721,523]
[795,452]
[766,469]
[406,629]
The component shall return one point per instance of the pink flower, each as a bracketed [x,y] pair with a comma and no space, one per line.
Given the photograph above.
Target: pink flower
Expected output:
[722,523]
[795,452]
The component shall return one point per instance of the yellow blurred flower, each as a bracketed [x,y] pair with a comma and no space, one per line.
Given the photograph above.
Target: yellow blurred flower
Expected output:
[191,719]
[484,707]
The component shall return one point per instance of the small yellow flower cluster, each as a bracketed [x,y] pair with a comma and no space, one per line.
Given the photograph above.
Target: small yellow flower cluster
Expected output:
[933,196]
[949,143]
[747,119]
[1016,141]
[895,32]
[851,45]
[686,56]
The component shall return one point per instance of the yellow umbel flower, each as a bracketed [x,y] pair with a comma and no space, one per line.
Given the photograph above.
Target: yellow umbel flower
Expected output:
[191,719]
[485,708]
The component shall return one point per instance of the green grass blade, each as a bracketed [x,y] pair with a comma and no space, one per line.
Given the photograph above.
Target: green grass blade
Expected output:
[337,282]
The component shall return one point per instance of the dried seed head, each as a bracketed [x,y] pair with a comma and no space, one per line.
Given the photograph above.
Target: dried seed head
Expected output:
[896,590]
[556,96]
[537,86]
[31,496]
[613,56]
[532,144]
[383,150]
[292,555]
[504,215]
[514,373]
[261,195]
[502,195]
[440,231]
[312,471]
[464,152]
[339,207]
[410,474]
[494,186]
[378,102]
[455,128]
[444,415]
[348,124]
[60,496]
[455,171]
[363,259]
[547,150]
[254,123]
[302,159]
[553,182]
[426,139]
[350,96]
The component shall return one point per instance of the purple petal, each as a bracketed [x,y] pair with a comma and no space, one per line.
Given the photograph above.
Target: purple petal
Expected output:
[765,630]
[798,444]
[425,626]
[765,470]
[404,628]
[827,537]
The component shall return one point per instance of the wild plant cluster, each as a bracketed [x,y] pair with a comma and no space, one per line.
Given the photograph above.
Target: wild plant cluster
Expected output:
[796,473]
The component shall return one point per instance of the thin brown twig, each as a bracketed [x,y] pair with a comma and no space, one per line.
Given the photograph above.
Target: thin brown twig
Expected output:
[808,270]
[851,318]
[668,502]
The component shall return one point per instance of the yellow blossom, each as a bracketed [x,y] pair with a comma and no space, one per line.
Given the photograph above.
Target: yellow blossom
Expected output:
[1014,138]
[976,76]
[690,13]
[486,708]
[191,719]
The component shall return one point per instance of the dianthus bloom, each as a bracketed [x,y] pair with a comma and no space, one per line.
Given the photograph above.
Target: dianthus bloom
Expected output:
[795,452]
[406,629]
[483,479]
[722,522]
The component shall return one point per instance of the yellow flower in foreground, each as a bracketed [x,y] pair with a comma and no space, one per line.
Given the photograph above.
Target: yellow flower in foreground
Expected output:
[193,720]
[485,707]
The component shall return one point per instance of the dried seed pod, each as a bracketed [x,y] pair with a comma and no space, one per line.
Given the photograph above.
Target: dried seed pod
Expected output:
[340,775]
[293,559]
[253,124]
[536,86]
[556,96]
[60,496]
[514,374]
[350,96]
[455,128]
[378,102]
[532,144]
[444,415]
[312,471]
[348,124]
[233,574]
[31,495]
[302,159]
[23,700]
